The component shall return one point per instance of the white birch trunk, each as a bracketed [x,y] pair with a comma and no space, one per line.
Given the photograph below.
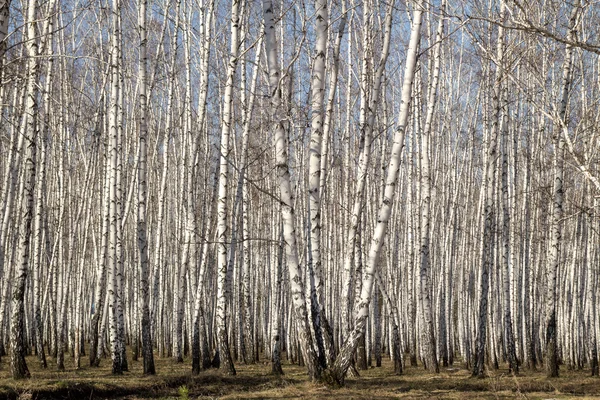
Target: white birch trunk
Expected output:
[489,217]
[249,348]
[314,172]
[112,257]
[428,337]
[18,365]
[554,256]
[286,195]
[226,128]
[507,243]
[147,352]
[362,305]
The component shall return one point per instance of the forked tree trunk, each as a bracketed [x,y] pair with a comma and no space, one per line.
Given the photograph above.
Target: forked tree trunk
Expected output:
[361,311]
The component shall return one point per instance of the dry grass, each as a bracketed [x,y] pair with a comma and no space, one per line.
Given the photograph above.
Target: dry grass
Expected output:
[175,381]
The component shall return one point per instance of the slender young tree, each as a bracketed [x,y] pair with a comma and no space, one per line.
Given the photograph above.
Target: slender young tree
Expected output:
[554,257]
[199,340]
[226,128]
[4,14]
[28,128]
[249,347]
[39,261]
[113,274]
[147,352]
[489,216]
[506,239]
[428,337]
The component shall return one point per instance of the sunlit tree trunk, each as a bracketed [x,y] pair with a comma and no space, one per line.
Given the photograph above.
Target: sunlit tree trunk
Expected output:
[147,352]
[248,336]
[112,257]
[314,172]
[29,122]
[286,196]
[592,287]
[361,310]
[8,184]
[509,337]
[428,337]
[39,261]
[489,216]
[226,129]
[554,256]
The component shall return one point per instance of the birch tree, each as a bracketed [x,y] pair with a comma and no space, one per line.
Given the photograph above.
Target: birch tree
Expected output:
[286,196]
[147,351]
[226,127]
[554,259]
[425,299]
[314,172]
[28,128]
[489,208]
[361,309]
[113,274]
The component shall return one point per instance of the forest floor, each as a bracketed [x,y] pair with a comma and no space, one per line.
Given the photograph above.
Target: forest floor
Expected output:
[175,382]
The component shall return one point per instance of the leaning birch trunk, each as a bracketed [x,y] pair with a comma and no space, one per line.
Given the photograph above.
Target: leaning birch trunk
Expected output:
[369,105]
[18,365]
[314,171]
[551,338]
[286,196]
[222,292]
[428,337]
[361,310]
[487,247]
[142,229]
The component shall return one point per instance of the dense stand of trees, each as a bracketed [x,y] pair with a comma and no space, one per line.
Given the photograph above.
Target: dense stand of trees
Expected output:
[323,181]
